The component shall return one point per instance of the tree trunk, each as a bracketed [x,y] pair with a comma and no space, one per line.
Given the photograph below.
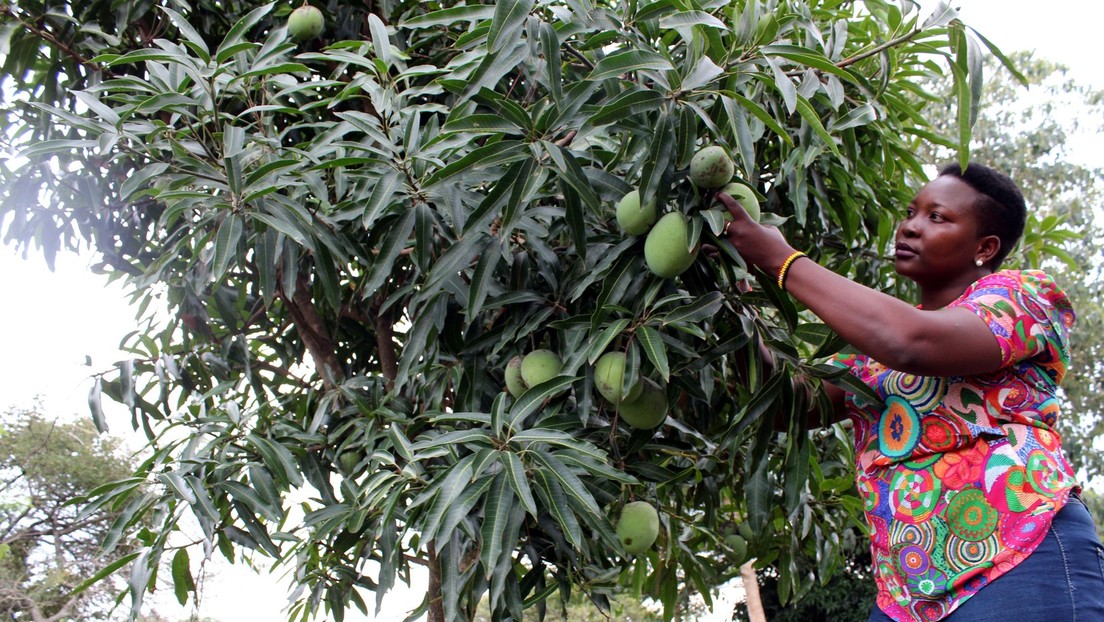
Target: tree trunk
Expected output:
[751,593]
[312,329]
[436,604]
[385,344]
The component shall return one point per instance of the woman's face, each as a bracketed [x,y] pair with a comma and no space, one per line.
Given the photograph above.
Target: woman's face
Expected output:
[938,241]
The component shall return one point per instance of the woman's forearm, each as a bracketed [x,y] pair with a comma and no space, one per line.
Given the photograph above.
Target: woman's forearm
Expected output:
[891,331]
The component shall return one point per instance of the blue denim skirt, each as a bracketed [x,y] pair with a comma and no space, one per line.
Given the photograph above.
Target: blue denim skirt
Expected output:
[1061,581]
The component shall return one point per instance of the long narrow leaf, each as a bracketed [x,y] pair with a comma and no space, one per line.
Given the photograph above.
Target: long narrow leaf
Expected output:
[389,250]
[515,471]
[226,244]
[450,16]
[105,572]
[532,399]
[701,309]
[652,343]
[549,488]
[509,16]
[498,506]
[805,109]
[570,483]
[382,196]
[625,62]
[462,507]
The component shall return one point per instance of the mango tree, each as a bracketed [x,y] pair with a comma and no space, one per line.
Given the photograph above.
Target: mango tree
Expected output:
[338,243]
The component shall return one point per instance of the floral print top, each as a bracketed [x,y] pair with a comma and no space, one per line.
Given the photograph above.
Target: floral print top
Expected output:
[962,475]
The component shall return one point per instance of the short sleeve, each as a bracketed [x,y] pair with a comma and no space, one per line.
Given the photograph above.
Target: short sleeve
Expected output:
[847,360]
[1029,315]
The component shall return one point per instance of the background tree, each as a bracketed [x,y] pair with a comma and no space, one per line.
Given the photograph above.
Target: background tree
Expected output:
[621,608]
[1095,503]
[48,545]
[337,245]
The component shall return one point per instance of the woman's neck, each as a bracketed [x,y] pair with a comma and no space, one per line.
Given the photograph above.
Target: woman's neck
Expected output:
[938,295]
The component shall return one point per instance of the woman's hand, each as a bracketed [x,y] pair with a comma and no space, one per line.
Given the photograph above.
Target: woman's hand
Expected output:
[759,245]
[930,343]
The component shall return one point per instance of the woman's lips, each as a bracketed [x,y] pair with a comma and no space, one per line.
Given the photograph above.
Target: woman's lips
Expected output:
[904,251]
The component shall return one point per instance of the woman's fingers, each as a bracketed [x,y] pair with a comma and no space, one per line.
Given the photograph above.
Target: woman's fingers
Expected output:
[733,206]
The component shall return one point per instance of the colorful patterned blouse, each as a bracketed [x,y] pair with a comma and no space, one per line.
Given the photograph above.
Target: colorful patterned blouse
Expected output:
[962,475]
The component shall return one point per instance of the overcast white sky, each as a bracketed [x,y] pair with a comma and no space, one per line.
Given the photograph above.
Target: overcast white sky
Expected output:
[52,321]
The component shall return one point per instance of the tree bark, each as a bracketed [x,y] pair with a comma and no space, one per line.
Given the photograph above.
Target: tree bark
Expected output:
[751,593]
[436,604]
[385,343]
[312,328]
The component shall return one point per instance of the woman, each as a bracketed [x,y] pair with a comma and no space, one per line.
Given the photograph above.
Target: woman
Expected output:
[973,508]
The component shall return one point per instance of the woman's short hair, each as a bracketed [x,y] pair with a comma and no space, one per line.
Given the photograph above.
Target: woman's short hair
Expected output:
[1003,212]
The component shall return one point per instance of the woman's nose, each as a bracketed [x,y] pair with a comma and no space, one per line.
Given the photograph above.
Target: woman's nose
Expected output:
[908,227]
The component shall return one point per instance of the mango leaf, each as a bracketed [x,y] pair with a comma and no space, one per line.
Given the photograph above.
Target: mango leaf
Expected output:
[625,62]
[444,491]
[704,72]
[515,472]
[509,16]
[532,399]
[105,572]
[450,16]
[807,57]
[796,471]
[95,404]
[550,47]
[652,343]
[683,19]
[462,507]
[601,342]
[498,507]
[784,84]
[627,104]
[757,492]
[246,495]
[389,251]
[705,307]
[226,244]
[858,116]
[482,277]
[191,36]
[548,488]
[381,43]
[810,116]
[234,41]
[183,583]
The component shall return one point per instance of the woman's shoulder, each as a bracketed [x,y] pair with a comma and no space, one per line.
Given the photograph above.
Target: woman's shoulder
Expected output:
[1034,283]
[1013,294]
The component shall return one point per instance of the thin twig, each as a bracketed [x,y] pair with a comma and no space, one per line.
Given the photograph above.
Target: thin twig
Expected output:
[578,56]
[878,49]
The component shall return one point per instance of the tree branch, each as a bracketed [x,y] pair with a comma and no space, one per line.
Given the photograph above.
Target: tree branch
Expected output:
[52,39]
[878,49]
[313,330]
[385,341]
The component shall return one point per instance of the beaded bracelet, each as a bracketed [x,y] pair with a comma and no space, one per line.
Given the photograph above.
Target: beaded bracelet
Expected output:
[794,256]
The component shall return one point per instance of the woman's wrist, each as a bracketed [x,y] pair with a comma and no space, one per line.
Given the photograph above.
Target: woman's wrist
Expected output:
[784,269]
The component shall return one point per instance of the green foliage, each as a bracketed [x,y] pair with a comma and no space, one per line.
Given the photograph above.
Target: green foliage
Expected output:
[1095,503]
[48,543]
[338,244]
[622,608]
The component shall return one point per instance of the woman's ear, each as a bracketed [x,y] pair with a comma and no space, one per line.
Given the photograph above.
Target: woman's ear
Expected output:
[988,247]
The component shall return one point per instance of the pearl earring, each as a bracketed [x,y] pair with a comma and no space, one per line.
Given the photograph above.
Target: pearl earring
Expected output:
[978,262]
